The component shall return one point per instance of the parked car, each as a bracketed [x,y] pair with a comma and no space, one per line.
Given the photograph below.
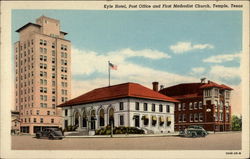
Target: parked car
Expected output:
[50,133]
[194,131]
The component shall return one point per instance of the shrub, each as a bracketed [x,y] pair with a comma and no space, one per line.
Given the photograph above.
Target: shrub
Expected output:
[119,130]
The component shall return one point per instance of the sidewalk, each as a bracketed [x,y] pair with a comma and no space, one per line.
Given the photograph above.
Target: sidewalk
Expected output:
[124,135]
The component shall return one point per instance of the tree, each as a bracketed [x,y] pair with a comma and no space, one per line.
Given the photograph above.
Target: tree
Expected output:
[236,123]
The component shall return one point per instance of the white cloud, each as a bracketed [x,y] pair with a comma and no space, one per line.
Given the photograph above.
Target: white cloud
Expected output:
[197,70]
[221,72]
[88,62]
[222,58]
[182,47]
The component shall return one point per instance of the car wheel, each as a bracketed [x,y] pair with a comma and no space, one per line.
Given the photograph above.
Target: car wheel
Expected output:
[38,136]
[51,137]
[194,135]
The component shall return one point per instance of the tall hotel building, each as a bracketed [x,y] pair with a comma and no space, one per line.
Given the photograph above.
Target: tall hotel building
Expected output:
[43,74]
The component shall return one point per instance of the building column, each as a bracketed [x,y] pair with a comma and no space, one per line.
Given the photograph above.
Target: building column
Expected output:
[80,122]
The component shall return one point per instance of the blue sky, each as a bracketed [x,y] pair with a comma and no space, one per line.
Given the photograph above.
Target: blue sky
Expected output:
[166,46]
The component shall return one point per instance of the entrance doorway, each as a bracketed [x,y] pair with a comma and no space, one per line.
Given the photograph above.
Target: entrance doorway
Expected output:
[111,117]
[137,120]
[92,121]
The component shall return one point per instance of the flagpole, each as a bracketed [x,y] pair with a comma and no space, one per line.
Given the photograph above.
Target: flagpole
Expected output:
[109,72]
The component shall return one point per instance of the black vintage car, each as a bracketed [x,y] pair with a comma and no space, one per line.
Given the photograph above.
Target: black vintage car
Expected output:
[50,133]
[194,131]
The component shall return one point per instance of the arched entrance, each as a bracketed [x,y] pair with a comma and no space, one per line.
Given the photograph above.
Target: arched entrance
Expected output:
[101,117]
[111,117]
[92,120]
[77,115]
[84,119]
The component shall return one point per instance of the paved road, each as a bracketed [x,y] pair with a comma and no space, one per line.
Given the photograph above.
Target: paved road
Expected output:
[220,141]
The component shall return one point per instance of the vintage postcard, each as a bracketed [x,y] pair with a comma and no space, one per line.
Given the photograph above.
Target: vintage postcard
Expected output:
[124,79]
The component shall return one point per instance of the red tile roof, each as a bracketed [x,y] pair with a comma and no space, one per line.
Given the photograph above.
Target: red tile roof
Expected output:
[118,91]
[213,84]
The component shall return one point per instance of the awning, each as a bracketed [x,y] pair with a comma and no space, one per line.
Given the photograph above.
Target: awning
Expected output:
[154,118]
[144,117]
[161,119]
[168,118]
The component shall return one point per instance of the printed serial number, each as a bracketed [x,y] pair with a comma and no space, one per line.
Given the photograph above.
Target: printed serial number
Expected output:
[233,153]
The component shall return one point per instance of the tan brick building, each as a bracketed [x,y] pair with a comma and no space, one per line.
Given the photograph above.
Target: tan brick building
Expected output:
[42,74]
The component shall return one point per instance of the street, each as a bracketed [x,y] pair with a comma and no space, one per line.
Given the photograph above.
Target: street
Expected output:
[218,141]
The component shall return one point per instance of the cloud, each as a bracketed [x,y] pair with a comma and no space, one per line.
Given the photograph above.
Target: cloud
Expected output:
[85,63]
[197,70]
[222,58]
[224,73]
[182,47]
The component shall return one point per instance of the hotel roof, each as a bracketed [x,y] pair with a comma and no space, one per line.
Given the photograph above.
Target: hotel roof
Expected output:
[118,91]
[26,25]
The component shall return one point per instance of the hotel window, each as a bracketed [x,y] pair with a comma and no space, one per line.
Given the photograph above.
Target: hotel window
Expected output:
[227,117]
[184,117]
[53,98]
[44,42]
[45,98]
[53,106]
[53,45]
[191,119]
[121,120]
[53,60]
[52,120]
[180,118]
[41,41]
[37,112]
[121,106]
[216,103]
[34,120]
[41,57]
[153,107]
[41,81]
[160,108]
[179,106]
[53,90]
[53,75]
[45,90]
[195,105]
[221,117]
[137,106]
[41,89]
[145,106]
[53,67]
[216,92]
[66,112]
[200,104]
[41,120]
[196,117]
[168,108]
[190,106]
[44,58]
[65,55]
[53,83]
[45,66]
[200,117]
[62,54]
[183,106]
[48,112]
[53,53]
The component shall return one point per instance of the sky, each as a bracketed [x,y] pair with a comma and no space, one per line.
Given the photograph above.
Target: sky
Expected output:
[170,47]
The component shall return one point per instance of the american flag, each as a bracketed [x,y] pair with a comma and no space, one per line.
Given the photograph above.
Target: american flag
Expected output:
[112,66]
